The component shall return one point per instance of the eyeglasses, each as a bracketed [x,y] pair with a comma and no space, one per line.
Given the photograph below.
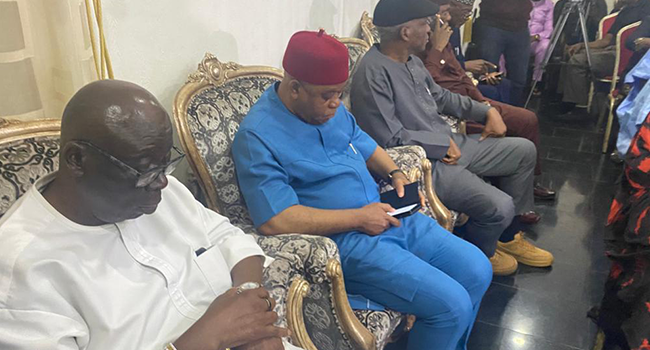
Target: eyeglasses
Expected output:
[143,179]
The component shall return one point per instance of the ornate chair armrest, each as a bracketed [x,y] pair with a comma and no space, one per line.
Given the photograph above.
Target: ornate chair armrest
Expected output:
[308,272]
[413,160]
[311,252]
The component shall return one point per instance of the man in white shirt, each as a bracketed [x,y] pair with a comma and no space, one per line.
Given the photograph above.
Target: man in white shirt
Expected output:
[110,253]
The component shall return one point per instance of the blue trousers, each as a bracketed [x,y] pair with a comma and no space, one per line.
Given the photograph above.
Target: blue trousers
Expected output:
[514,46]
[499,92]
[420,269]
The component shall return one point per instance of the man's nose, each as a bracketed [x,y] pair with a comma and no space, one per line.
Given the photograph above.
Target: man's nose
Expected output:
[159,183]
[335,102]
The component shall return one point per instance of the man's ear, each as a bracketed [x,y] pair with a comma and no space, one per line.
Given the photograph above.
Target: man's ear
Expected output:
[294,87]
[73,157]
[405,33]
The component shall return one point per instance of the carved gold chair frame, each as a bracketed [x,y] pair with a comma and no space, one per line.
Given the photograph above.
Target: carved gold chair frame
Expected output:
[14,130]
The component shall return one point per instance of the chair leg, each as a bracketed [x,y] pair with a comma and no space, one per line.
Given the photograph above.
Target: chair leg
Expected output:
[610,121]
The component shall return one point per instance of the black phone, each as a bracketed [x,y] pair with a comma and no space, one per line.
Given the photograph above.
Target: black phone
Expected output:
[404,206]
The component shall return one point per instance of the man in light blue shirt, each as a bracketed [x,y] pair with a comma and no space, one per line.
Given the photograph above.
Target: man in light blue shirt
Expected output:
[305,166]
[636,106]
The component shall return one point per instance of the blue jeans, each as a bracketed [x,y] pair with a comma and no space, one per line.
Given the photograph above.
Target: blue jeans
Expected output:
[499,92]
[421,269]
[514,46]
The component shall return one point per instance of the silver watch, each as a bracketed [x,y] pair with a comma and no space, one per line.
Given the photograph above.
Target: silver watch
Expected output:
[247,286]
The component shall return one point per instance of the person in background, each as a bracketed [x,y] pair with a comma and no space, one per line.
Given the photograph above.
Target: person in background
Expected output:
[572,32]
[575,77]
[502,29]
[639,42]
[541,28]
[493,84]
[632,111]
[397,103]
[440,60]
[624,312]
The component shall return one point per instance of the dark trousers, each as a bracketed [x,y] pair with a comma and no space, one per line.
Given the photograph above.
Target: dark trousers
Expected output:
[574,77]
[514,46]
[499,92]
[520,123]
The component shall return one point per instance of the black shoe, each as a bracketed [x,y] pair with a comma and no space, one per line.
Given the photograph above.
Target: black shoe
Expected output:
[543,193]
[616,157]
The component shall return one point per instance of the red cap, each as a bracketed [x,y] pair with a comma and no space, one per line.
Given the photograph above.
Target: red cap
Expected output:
[316,58]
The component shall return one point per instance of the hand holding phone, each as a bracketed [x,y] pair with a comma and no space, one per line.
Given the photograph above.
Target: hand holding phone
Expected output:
[492,78]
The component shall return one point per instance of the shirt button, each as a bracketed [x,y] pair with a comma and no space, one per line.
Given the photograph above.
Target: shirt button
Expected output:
[442,62]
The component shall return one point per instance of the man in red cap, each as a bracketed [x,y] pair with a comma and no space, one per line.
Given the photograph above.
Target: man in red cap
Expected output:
[305,166]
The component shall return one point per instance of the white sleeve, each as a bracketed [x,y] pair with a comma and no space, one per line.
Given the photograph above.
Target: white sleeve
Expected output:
[31,329]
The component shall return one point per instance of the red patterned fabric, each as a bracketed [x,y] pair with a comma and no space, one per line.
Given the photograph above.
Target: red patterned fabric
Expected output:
[625,309]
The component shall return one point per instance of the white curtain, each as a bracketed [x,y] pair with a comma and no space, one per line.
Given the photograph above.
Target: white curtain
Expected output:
[45,56]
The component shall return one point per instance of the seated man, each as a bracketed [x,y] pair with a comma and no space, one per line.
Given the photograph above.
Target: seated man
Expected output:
[304,165]
[397,103]
[446,71]
[575,78]
[493,85]
[639,42]
[111,253]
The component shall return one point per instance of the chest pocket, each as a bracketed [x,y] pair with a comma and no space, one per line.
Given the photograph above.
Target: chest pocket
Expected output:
[214,269]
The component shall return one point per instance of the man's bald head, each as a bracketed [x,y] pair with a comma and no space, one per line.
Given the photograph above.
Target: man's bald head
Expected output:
[114,114]
[113,135]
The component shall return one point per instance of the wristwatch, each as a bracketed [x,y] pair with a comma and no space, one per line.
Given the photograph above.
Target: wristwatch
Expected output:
[398,170]
[247,286]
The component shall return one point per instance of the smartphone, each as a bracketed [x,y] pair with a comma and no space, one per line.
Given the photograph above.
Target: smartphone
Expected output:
[404,206]
[484,77]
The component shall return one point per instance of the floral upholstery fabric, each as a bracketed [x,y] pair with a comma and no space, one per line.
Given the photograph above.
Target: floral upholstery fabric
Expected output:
[355,53]
[22,163]
[379,323]
[214,115]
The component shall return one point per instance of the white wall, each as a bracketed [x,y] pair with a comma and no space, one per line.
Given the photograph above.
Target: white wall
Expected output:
[157,43]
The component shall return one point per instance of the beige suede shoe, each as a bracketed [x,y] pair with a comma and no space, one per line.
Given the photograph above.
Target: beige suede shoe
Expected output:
[525,252]
[503,264]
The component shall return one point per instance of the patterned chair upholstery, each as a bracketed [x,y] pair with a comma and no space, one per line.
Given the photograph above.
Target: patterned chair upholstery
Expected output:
[309,284]
[28,151]
[356,49]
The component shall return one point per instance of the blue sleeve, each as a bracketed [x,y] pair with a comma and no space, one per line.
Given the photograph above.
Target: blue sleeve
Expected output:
[262,180]
[360,139]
